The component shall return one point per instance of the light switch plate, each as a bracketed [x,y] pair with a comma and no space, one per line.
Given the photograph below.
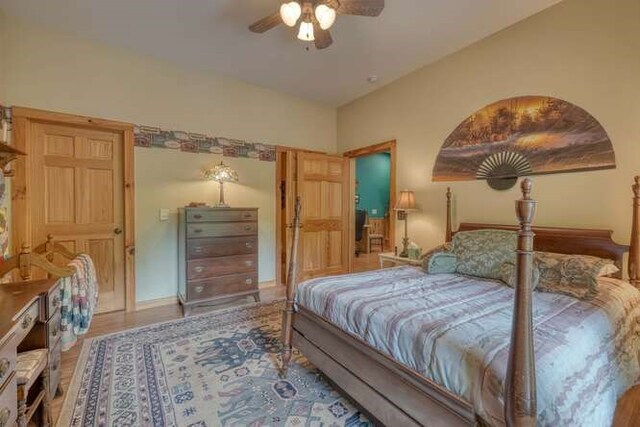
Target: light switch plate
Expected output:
[374,211]
[164,214]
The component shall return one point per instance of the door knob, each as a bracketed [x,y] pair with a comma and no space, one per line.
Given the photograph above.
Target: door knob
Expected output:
[118,230]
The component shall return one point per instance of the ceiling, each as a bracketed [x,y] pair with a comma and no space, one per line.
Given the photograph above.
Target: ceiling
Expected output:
[212,35]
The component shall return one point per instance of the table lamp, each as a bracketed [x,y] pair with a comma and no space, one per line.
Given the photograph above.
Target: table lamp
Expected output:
[406,202]
[221,173]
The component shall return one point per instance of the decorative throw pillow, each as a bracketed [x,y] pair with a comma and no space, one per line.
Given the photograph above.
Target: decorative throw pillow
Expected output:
[573,275]
[441,263]
[425,257]
[508,274]
[480,253]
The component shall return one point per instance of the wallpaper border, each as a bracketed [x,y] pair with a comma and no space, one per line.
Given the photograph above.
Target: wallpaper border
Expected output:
[190,142]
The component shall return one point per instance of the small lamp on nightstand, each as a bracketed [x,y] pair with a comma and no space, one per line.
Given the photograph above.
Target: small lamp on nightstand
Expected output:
[221,173]
[406,202]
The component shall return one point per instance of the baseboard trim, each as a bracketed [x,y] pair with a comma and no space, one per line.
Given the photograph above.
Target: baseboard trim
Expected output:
[158,302]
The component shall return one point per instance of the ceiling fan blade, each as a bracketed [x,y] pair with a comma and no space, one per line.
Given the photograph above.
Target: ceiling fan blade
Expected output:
[266,23]
[359,7]
[322,37]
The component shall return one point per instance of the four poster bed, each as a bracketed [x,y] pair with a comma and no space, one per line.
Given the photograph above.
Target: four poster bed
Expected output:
[366,332]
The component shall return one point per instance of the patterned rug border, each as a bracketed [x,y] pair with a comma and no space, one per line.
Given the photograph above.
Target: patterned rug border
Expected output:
[64,418]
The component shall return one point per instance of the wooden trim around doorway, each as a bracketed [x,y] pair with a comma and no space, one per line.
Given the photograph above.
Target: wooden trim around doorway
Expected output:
[383,147]
[21,226]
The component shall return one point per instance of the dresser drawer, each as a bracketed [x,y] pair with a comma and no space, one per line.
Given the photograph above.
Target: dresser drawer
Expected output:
[222,229]
[53,329]
[27,320]
[9,403]
[222,286]
[54,299]
[212,267]
[7,360]
[221,246]
[221,215]
[55,357]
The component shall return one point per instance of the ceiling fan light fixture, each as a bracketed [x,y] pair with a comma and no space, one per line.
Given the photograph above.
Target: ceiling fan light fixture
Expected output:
[325,15]
[290,12]
[306,32]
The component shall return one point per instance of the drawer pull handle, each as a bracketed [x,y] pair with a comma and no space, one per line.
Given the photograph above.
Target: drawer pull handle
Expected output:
[248,245]
[26,322]
[248,281]
[197,230]
[4,367]
[197,216]
[198,289]
[55,301]
[197,249]
[247,215]
[55,365]
[199,269]
[247,228]
[248,263]
[54,331]
[5,413]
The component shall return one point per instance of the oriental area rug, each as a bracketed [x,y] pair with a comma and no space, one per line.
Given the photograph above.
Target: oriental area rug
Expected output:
[214,369]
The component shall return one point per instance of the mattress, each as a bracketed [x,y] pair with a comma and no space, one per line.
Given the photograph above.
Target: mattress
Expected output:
[455,330]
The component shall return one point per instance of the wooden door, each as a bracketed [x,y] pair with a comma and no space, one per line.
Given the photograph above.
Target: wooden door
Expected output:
[322,182]
[77,194]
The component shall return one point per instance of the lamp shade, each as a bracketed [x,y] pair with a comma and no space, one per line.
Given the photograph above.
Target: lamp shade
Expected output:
[306,32]
[406,201]
[220,173]
[290,12]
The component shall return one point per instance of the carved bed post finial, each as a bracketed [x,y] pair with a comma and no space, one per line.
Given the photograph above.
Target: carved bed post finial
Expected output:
[520,386]
[634,246]
[292,278]
[447,236]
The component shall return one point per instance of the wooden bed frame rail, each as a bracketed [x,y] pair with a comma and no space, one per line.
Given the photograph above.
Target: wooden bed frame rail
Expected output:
[384,386]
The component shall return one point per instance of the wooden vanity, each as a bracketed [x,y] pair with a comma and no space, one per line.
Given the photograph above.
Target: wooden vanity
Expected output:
[29,319]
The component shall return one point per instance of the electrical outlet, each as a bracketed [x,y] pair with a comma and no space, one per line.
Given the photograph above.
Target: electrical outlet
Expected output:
[374,211]
[164,214]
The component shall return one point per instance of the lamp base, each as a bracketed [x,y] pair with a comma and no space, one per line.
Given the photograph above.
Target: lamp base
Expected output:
[405,248]
[221,205]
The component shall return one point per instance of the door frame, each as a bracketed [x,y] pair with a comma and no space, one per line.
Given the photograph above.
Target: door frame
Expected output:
[383,147]
[20,185]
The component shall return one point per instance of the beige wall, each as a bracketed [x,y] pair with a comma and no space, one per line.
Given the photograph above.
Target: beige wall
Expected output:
[2,56]
[54,71]
[584,51]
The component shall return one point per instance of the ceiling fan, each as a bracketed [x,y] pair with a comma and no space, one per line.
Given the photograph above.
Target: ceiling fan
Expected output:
[316,17]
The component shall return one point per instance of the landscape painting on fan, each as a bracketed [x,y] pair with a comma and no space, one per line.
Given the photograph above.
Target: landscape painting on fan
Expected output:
[527,135]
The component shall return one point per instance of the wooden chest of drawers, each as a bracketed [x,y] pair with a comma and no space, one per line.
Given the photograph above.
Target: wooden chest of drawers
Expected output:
[217,255]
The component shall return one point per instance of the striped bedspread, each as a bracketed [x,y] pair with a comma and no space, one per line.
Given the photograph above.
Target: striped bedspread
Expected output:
[455,330]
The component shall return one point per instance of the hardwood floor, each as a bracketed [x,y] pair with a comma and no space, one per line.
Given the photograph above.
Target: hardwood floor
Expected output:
[627,414]
[108,323]
[365,262]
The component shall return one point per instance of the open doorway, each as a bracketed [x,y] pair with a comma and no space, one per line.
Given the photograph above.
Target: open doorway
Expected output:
[372,208]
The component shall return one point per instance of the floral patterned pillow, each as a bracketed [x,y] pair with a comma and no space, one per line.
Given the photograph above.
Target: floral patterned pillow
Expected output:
[573,275]
[508,274]
[481,253]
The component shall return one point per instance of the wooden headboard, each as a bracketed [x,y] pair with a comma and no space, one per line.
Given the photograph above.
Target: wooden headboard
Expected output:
[579,241]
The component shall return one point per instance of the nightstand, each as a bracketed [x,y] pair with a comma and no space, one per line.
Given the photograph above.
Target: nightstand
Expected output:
[395,260]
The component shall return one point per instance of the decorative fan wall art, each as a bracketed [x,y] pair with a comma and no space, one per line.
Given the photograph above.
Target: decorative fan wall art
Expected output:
[527,135]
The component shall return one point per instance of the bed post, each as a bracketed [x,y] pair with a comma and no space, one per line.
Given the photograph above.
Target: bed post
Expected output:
[292,278]
[447,237]
[520,386]
[634,247]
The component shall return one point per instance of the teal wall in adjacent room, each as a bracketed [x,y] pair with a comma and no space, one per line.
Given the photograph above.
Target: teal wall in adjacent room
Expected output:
[373,176]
